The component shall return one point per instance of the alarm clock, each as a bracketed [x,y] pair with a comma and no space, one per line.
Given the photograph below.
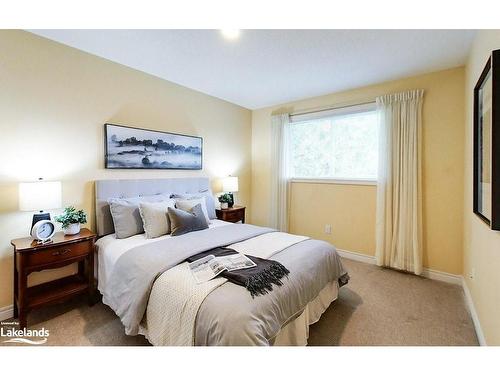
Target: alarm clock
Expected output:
[43,231]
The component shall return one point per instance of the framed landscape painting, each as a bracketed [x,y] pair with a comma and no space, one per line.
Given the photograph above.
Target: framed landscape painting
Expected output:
[134,148]
[486,184]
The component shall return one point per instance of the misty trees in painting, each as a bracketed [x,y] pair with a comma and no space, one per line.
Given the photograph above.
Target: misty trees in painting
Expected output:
[139,148]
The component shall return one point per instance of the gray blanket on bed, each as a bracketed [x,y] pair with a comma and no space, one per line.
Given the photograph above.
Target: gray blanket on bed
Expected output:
[312,264]
[136,270]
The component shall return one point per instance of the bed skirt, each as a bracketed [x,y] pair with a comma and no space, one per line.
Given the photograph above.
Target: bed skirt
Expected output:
[296,332]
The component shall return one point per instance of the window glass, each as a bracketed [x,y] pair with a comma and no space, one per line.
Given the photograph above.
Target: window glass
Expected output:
[341,147]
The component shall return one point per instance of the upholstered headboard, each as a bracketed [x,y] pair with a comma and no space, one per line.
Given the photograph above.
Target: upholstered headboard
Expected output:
[106,189]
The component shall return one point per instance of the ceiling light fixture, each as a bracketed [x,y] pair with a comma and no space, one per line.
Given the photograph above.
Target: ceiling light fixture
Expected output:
[230,34]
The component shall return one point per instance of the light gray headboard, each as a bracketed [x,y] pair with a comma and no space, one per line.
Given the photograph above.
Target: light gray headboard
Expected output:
[106,189]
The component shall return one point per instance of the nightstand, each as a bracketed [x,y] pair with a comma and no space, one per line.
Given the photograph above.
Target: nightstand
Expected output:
[61,251]
[233,214]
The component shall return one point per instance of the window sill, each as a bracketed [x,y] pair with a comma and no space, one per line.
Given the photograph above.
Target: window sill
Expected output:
[334,181]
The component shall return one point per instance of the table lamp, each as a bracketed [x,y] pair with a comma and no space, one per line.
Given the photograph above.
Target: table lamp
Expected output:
[230,186]
[39,196]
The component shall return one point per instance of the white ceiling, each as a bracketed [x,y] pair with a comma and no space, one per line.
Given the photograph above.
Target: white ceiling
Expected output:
[267,67]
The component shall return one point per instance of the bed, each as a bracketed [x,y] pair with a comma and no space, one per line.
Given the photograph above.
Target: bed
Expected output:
[148,285]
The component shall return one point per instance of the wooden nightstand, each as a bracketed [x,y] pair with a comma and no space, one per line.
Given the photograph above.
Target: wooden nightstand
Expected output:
[63,250]
[233,214]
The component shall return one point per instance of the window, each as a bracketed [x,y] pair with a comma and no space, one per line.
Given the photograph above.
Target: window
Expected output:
[341,144]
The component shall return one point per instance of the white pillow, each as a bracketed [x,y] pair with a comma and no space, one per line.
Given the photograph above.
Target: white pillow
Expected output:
[126,216]
[187,204]
[155,218]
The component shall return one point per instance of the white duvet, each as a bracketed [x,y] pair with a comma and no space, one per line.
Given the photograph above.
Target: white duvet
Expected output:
[109,249]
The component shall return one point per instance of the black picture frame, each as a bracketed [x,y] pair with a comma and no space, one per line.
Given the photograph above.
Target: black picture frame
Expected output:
[487,209]
[139,157]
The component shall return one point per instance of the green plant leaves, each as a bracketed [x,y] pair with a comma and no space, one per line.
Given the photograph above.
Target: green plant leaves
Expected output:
[71,216]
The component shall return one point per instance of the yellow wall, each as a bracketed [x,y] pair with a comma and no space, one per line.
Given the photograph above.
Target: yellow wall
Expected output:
[481,245]
[351,209]
[54,101]
[50,93]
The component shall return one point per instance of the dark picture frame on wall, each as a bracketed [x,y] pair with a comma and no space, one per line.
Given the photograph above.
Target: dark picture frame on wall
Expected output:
[136,148]
[486,159]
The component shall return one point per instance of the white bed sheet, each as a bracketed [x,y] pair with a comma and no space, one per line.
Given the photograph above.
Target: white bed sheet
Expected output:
[109,249]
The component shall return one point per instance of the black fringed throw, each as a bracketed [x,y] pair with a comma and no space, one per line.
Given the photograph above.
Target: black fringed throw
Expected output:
[257,280]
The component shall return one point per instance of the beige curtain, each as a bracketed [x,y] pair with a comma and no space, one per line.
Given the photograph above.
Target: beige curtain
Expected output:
[280,172]
[399,193]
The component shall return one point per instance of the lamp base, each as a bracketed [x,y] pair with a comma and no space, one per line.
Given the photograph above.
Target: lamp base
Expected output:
[231,204]
[38,217]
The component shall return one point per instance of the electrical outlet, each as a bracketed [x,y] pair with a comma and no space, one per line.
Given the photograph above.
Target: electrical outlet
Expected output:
[472,275]
[328,229]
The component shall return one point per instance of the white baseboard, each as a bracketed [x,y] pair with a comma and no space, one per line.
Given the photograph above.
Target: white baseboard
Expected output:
[356,256]
[6,312]
[473,313]
[442,276]
[434,275]
[427,272]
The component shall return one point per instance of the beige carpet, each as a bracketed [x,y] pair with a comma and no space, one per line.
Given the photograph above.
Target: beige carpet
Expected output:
[377,307]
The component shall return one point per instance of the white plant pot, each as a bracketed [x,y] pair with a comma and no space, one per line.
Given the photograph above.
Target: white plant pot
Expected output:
[72,229]
[224,205]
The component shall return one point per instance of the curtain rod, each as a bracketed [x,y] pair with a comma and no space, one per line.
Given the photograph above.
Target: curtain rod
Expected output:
[306,112]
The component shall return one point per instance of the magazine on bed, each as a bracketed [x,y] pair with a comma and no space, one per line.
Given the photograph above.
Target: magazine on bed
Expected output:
[208,267]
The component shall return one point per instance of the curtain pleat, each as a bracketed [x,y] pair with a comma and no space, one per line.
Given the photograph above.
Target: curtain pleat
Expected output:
[399,192]
[280,172]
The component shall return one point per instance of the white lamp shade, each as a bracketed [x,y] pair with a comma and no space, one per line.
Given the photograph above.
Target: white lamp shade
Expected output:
[39,196]
[230,184]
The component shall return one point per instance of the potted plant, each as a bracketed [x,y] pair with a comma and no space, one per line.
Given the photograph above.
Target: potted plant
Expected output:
[225,199]
[71,219]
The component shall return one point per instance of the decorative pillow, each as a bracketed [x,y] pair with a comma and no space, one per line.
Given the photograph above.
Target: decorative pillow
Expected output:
[183,222]
[126,216]
[188,204]
[209,200]
[154,217]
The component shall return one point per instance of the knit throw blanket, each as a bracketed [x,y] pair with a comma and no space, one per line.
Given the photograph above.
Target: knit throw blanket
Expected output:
[257,280]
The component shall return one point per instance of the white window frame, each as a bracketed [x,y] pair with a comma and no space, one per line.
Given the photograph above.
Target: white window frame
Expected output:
[330,112]
[334,181]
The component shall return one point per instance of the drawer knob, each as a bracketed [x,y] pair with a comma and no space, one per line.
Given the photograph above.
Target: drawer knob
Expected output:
[61,252]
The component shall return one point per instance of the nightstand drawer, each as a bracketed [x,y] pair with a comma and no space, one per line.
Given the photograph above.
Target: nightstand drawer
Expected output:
[58,253]
[233,216]
[29,257]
